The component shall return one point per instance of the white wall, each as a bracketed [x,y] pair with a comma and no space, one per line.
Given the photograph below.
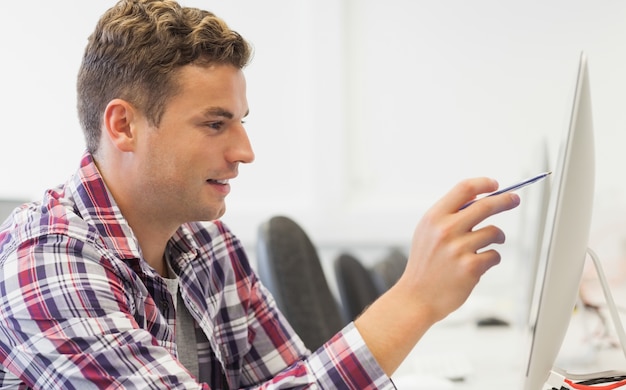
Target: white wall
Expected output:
[363,113]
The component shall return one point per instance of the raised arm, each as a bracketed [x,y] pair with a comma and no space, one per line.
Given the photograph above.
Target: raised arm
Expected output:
[447,258]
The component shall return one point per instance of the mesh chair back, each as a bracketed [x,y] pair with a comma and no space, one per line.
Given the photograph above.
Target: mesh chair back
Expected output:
[388,270]
[355,284]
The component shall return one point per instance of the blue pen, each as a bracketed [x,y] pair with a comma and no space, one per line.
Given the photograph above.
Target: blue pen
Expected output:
[511,188]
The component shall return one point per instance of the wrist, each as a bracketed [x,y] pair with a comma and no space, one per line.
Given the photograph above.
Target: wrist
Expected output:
[393,324]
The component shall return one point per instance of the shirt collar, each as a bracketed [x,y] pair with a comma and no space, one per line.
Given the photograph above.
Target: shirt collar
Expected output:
[97,207]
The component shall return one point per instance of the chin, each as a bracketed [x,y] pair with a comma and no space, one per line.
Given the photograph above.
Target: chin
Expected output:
[203,215]
[214,213]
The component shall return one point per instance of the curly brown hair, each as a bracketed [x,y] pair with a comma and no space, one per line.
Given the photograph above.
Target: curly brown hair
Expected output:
[135,50]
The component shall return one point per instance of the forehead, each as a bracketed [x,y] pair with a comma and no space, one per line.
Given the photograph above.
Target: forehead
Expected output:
[214,85]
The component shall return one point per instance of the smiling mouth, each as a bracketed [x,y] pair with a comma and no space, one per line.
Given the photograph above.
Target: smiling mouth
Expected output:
[213,181]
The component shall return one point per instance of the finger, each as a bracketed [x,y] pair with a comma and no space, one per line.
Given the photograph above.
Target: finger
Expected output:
[476,264]
[473,242]
[485,236]
[471,253]
[492,205]
[483,261]
[464,192]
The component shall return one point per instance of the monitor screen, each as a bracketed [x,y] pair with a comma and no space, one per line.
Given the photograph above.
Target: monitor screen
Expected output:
[566,234]
[534,209]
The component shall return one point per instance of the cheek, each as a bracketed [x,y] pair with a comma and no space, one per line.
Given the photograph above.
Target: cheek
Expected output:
[159,166]
[177,158]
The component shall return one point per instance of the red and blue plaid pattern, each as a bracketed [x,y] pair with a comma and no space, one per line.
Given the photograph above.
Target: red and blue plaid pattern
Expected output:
[81,309]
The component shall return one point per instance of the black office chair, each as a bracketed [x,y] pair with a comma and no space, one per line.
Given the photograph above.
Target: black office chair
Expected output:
[289,266]
[355,284]
[388,270]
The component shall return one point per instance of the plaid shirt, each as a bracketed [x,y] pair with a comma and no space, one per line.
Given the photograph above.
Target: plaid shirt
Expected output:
[81,309]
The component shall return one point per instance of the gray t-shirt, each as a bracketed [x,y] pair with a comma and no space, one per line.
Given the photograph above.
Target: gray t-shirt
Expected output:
[185,331]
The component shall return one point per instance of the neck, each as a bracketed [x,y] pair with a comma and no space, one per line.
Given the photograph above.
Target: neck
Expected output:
[151,230]
[153,248]
[151,233]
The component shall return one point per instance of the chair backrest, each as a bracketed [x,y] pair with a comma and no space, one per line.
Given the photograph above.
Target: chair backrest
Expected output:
[355,284]
[388,270]
[289,266]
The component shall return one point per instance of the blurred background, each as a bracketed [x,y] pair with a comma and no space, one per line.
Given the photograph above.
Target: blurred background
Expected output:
[363,113]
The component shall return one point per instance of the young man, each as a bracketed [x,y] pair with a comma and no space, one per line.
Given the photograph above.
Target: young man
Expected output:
[111,282]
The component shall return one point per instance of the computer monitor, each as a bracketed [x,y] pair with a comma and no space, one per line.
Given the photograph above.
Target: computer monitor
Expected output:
[533,211]
[566,234]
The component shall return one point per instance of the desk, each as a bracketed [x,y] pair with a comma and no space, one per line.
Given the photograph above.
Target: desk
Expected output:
[498,354]
[494,353]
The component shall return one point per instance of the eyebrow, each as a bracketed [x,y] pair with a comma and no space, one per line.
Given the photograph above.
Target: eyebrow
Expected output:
[219,111]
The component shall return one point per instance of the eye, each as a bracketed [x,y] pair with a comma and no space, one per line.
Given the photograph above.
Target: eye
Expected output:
[215,125]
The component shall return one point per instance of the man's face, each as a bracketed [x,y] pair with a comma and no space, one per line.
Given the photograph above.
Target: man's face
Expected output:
[185,164]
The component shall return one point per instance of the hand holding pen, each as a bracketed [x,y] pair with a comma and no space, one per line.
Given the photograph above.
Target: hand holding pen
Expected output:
[513,187]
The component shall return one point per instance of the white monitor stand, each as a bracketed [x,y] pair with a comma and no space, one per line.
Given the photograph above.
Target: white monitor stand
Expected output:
[558,377]
[609,299]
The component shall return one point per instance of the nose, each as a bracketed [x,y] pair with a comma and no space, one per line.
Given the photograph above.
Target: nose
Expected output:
[241,148]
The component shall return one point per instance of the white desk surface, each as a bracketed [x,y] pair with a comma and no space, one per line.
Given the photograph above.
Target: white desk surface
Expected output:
[497,354]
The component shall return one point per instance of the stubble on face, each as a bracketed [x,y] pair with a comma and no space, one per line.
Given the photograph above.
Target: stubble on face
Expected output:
[182,153]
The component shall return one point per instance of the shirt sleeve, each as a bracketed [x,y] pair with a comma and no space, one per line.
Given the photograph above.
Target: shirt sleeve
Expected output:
[344,362]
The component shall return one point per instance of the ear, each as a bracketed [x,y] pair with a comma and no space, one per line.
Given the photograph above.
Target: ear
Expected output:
[119,122]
